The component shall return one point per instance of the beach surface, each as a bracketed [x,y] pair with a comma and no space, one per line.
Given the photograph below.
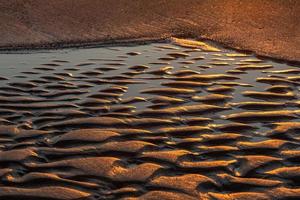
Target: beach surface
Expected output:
[170,121]
[268,28]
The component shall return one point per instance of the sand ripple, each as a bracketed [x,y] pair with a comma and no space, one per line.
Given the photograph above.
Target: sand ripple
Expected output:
[94,126]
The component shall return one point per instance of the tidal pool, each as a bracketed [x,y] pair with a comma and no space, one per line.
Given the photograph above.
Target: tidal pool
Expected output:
[170,120]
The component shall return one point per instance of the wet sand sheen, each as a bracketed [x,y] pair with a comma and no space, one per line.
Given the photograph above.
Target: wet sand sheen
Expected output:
[85,124]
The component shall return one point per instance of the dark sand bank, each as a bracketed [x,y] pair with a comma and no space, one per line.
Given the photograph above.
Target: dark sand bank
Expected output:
[266,27]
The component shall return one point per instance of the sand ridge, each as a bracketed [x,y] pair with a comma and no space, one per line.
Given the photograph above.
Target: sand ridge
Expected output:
[269,28]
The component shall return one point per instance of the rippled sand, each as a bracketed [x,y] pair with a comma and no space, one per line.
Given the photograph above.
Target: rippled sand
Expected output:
[179,120]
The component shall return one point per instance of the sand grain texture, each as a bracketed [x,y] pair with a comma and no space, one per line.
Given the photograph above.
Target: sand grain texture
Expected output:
[266,27]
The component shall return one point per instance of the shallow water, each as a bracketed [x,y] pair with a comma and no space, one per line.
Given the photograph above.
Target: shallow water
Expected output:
[197,122]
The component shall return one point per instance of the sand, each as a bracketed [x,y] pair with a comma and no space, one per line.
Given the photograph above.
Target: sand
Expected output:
[269,28]
[134,122]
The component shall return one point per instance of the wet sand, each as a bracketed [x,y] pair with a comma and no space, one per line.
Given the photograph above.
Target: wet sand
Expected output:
[269,28]
[180,120]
